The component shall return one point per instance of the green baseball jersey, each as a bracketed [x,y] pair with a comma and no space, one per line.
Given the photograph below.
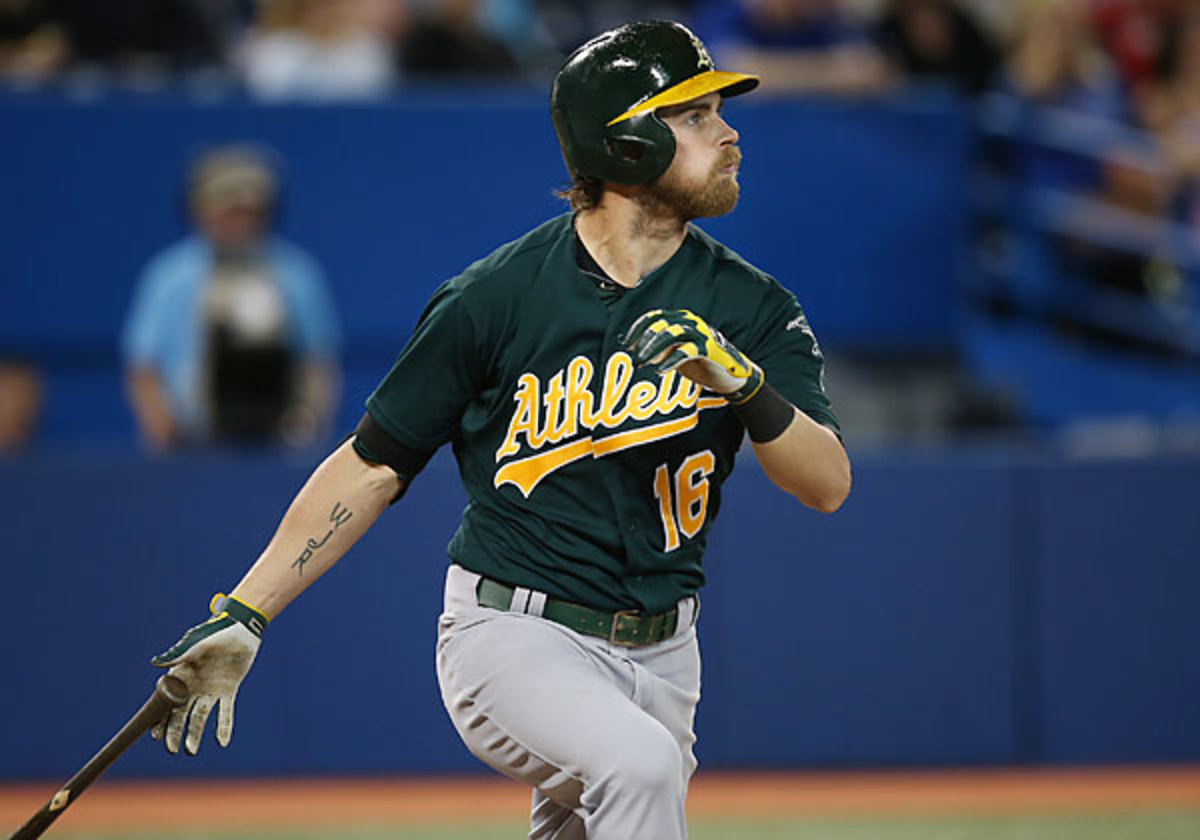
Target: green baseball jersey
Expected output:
[588,478]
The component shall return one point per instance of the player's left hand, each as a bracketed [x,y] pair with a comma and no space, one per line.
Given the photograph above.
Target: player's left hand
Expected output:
[212,658]
[677,339]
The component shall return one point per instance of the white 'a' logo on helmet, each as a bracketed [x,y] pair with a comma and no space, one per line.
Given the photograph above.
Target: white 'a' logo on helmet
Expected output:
[706,61]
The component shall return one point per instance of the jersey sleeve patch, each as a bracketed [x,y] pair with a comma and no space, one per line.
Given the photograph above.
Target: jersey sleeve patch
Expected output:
[786,348]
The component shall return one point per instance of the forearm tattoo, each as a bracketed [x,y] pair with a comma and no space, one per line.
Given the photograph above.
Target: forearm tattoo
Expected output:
[338,517]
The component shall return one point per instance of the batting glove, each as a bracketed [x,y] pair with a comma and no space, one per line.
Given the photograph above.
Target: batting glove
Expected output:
[212,658]
[673,338]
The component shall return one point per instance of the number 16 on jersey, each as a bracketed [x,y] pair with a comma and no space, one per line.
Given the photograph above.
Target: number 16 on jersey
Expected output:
[683,503]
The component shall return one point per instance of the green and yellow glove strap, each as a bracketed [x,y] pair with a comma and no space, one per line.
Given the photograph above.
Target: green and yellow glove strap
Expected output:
[256,622]
[754,383]
[765,413]
[226,611]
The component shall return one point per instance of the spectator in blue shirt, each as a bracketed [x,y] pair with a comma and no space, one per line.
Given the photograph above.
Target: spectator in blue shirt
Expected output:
[232,335]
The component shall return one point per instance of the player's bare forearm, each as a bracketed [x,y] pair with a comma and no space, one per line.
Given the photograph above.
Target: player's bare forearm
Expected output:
[339,502]
[809,462]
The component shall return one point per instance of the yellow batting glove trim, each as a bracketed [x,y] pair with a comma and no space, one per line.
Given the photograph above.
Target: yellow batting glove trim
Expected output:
[217,605]
[746,397]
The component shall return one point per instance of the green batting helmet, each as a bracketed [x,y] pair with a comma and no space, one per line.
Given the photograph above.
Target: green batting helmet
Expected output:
[605,95]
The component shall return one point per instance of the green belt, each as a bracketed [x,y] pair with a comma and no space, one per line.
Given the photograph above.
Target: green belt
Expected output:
[630,628]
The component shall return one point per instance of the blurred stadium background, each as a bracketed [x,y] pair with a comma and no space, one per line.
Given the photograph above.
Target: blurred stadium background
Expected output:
[990,212]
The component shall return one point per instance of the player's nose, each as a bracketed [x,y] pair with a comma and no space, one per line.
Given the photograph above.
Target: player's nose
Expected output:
[729,134]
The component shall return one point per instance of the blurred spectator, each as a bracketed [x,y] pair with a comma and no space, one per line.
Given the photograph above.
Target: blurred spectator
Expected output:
[20,404]
[795,45]
[1068,88]
[1133,34]
[320,49]
[141,37]
[937,40]
[32,46]
[446,39]
[1171,109]
[232,334]
[1054,61]
[1172,95]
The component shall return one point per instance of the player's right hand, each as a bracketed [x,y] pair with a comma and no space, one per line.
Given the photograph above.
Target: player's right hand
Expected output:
[677,339]
[212,658]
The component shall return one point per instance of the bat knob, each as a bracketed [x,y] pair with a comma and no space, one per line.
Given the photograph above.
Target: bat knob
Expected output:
[174,689]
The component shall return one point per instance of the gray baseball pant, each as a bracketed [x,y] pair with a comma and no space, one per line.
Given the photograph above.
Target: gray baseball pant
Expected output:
[603,733]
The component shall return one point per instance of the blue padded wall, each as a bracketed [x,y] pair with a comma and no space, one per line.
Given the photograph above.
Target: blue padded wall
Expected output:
[960,609]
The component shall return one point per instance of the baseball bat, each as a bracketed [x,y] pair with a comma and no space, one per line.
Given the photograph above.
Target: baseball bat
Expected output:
[169,692]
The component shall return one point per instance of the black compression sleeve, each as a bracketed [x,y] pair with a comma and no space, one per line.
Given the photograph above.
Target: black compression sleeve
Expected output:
[374,444]
[766,415]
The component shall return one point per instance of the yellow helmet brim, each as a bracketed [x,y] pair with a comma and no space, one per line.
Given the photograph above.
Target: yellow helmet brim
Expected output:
[710,81]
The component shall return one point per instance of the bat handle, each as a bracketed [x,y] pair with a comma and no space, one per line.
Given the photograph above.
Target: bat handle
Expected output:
[169,692]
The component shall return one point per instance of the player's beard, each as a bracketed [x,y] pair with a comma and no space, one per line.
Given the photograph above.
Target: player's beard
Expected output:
[669,195]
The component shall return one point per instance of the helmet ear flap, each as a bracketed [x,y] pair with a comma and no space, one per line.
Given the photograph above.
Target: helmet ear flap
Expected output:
[638,150]
[627,148]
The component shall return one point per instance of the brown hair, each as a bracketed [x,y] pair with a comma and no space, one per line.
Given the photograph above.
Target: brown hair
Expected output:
[583,194]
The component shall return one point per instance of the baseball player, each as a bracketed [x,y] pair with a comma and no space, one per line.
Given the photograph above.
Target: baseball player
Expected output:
[596,378]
